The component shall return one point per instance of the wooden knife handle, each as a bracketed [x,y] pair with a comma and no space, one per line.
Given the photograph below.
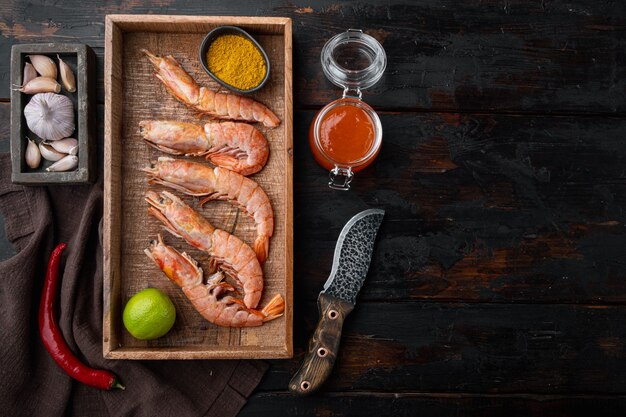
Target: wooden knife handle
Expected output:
[323,346]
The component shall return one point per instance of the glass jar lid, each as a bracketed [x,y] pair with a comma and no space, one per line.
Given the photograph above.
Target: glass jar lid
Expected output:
[353,60]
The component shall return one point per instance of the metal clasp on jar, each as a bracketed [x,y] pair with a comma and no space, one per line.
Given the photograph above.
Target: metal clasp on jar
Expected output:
[340,178]
[352,93]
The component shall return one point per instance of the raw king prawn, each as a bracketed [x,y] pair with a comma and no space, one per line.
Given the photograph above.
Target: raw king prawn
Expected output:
[210,299]
[197,179]
[228,252]
[221,105]
[239,147]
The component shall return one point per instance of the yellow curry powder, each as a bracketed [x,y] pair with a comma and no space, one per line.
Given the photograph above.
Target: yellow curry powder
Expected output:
[236,61]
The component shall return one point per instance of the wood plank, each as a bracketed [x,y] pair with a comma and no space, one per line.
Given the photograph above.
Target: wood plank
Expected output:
[111,239]
[6,249]
[288,180]
[5,126]
[557,56]
[470,348]
[199,24]
[265,404]
[136,95]
[478,208]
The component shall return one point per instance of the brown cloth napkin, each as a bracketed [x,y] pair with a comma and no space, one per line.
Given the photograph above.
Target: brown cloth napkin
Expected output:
[31,383]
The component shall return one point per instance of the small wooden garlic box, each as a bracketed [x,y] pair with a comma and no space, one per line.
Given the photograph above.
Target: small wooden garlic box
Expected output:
[82,60]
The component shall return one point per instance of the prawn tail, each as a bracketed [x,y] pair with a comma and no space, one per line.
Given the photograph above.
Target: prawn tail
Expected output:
[271,120]
[274,308]
[262,248]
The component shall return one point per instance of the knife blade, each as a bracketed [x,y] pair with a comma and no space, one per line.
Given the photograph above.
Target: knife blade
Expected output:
[351,261]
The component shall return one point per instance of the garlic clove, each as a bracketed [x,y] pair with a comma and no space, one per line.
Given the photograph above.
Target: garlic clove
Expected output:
[67,76]
[29,73]
[50,116]
[32,155]
[66,145]
[41,85]
[68,163]
[49,153]
[44,65]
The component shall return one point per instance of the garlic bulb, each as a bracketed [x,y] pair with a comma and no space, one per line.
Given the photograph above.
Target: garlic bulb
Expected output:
[32,155]
[67,76]
[50,116]
[44,65]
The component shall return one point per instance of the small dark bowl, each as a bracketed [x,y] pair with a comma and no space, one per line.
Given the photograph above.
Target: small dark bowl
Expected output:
[223,30]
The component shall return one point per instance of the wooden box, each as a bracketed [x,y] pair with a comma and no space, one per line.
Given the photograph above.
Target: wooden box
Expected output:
[82,60]
[132,94]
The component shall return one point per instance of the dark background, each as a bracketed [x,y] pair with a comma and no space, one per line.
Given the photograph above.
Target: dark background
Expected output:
[497,285]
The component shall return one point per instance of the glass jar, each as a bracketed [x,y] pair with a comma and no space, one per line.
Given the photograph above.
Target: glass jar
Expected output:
[346,134]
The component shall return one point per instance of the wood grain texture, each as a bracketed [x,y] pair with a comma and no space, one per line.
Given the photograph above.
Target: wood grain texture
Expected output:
[403,404]
[531,56]
[470,348]
[489,208]
[497,286]
[111,236]
[323,346]
[143,97]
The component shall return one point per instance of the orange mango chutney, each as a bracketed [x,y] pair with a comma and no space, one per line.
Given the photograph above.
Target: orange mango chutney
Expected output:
[346,135]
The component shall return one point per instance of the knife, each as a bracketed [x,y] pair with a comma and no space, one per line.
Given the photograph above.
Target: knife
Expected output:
[353,254]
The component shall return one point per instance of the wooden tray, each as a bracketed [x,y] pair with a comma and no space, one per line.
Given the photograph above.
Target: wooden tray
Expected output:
[132,94]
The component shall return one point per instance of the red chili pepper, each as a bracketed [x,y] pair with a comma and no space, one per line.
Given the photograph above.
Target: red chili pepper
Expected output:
[53,339]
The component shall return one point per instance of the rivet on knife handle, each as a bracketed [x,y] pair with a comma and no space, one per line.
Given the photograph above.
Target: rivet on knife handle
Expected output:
[323,346]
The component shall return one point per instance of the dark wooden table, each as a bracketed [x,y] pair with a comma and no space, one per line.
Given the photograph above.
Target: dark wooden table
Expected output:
[498,285]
